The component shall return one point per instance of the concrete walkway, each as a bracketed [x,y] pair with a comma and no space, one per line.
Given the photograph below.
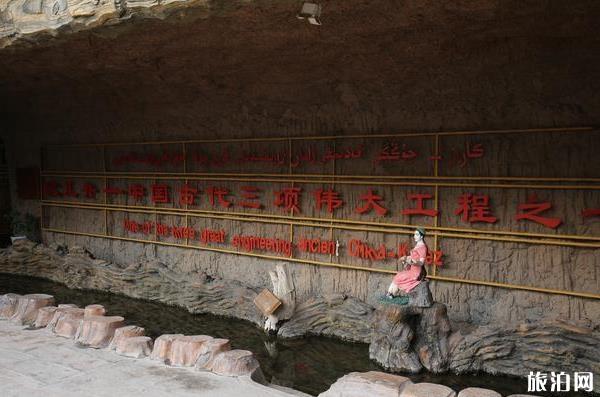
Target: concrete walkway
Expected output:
[37,363]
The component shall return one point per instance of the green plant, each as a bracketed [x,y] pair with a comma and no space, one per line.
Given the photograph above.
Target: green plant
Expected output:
[24,225]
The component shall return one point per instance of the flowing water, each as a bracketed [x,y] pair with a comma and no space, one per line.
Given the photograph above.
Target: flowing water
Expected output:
[308,364]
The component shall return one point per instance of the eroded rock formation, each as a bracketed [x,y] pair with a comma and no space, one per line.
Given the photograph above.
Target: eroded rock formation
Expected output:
[401,337]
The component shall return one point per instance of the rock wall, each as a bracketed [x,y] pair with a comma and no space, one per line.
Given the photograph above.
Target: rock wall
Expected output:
[373,67]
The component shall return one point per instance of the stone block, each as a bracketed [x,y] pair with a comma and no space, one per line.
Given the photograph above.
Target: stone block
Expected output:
[478,392]
[94,310]
[8,305]
[128,331]
[235,363]
[162,347]
[427,390]
[372,383]
[67,321]
[186,349]
[28,306]
[209,351]
[44,315]
[135,346]
[98,331]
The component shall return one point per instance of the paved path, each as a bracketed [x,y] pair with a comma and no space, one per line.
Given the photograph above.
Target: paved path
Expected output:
[40,364]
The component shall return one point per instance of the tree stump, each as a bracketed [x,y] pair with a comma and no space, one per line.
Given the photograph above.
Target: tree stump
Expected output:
[8,305]
[97,331]
[135,346]
[28,306]
[128,331]
[209,351]
[162,347]
[235,363]
[186,349]
[44,316]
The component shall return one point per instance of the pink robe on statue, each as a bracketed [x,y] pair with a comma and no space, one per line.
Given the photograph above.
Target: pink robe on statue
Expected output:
[408,279]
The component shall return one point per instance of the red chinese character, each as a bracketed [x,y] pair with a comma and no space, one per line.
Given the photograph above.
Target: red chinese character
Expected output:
[372,202]
[475,208]
[434,258]
[89,190]
[137,191]
[69,191]
[329,197]
[187,195]
[250,194]
[220,194]
[51,189]
[162,229]
[420,210]
[160,193]
[288,198]
[533,209]
[588,213]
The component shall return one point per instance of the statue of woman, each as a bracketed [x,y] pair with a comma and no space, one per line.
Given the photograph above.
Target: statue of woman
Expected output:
[413,272]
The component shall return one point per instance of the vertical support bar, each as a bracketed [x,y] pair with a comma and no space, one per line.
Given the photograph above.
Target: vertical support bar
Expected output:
[105,190]
[41,187]
[290,156]
[435,223]
[332,186]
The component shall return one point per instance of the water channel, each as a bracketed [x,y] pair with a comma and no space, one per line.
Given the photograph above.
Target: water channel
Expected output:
[308,364]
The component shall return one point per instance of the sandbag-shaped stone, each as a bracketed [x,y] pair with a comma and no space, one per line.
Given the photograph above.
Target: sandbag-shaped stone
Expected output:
[28,306]
[8,305]
[162,347]
[94,310]
[186,349]
[209,351]
[235,363]
[98,331]
[427,390]
[68,321]
[44,315]
[478,392]
[58,313]
[372,383]
[128,331]
[135,346]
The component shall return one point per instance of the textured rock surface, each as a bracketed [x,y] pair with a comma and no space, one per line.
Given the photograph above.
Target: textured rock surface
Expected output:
[185,350]
[333,315]
[209,351]
[528,347]
[28,306]
[162,347]
[135,346]
[98,331]
[235,363]
[128,331]
[22,17]
[408,338]
[427,390]
[8,304]
[362,384]
[44,316]
[67,323]
[94,310]
[478,392]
